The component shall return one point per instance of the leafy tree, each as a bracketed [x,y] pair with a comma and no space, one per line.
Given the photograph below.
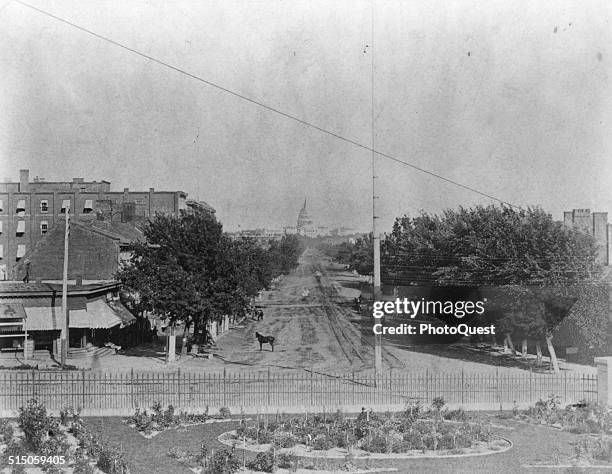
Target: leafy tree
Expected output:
[189,271]
[538,265]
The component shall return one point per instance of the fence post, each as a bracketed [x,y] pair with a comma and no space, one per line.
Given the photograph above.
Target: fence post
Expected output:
[224,386]
[311,388]
[462,386]
[132,389]
[604,380]
[178,386]
[83,388]
[33,384]
[426,386]
[497,388]
[268,386]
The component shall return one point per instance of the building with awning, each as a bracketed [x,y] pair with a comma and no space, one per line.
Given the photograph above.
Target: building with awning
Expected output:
[31,316]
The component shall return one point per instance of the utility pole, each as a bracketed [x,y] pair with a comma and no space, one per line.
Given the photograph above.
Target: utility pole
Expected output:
[375,232]
[65,317]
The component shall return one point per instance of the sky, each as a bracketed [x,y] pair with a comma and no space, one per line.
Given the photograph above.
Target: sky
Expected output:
[510,97]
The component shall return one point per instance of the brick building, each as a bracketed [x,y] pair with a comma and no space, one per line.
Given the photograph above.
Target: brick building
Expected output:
[96,251]
[595,224]
[29,209]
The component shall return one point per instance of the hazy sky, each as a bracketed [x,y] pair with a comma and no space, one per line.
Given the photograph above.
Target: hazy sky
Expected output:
[510,97]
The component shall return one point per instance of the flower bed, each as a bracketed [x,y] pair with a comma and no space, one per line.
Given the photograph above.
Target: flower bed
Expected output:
[53,444]
[150,424]
[579,418]
[415,432]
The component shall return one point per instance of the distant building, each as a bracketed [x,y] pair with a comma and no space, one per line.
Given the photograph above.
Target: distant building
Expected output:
[29,209]
[199,206]
[595,224]
[306,227]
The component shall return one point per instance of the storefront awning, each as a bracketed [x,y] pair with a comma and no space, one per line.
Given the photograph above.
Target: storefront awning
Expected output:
[98,315]
[11,311]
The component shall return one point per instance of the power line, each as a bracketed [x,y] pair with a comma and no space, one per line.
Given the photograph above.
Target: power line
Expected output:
[267,107]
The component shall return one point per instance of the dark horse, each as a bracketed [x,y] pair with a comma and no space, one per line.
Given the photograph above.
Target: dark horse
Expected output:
[264,339]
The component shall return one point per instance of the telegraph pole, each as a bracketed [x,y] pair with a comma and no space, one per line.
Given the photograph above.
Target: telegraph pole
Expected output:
[65,318]
[375,232]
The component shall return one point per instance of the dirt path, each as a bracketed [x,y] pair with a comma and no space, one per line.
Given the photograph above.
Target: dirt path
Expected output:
[311,332]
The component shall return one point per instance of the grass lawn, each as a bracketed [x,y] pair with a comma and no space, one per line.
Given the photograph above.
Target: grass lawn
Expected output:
[532,445]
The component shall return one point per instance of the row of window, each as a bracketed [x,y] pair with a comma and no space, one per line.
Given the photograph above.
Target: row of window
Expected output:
[21,251]
[44,206]
[21,226]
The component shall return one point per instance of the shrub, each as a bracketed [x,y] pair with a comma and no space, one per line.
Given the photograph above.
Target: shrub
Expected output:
[284,439]
[438,403]
[6,431]
[225,412]
[287,460]
[35,424]
[322,442]
[455,415]
[263,462]
[56,445]
[82,465]
[69,415]
[112,461]
[224,461]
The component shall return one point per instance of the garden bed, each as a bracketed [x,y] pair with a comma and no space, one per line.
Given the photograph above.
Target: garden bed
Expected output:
[37,440]
[417,432]
[578,418]
[150,424]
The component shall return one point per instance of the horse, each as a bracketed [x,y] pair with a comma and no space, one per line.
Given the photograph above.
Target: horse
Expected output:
[264,339]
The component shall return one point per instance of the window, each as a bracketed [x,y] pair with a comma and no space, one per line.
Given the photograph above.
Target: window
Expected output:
[21,227]
[44,227]
[1,251]
[0,227]
[44,205]
[65,205]
[88,206]
[21,250]
[20,209]
[1,205]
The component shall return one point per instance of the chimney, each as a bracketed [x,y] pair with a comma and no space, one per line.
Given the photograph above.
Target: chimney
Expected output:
[24,181]
[151,190]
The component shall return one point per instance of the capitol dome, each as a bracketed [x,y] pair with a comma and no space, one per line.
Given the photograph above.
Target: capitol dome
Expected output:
[304,220]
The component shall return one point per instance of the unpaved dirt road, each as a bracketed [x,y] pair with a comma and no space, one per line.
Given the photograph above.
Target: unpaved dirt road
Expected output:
[311,332]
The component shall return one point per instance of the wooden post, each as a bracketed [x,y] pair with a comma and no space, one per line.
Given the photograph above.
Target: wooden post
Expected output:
[224,374]
[132,388]
[65,338]
[462,387]
[83,388]
[178,386]
[268,386]
[311,388]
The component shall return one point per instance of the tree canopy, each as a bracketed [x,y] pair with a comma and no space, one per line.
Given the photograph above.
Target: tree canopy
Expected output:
[538,267]
[189,270]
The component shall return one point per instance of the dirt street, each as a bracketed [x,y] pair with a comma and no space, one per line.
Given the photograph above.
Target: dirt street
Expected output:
[313,331]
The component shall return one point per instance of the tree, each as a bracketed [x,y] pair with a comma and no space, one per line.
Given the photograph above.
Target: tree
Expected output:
[537,264]
[189,271]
